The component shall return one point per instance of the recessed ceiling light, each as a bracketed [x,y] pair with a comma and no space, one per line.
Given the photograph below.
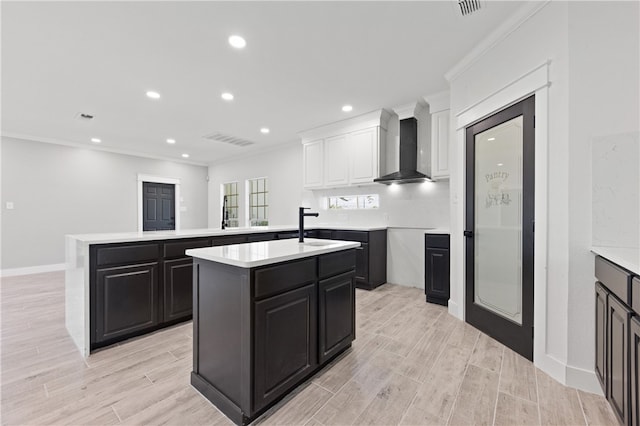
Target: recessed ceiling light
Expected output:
[237,41]
[264,130]
[227,96]
[347,108]
[95,140]
[491,139]
[171,141]
[185,155]
[153,95]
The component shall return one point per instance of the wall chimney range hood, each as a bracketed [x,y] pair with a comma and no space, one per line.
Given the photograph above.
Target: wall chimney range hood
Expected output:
[408,172]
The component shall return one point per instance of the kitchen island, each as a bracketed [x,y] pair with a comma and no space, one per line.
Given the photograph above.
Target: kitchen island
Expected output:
[267,316]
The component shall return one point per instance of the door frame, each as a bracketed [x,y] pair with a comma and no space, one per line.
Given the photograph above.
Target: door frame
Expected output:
[158,179]
[535,82]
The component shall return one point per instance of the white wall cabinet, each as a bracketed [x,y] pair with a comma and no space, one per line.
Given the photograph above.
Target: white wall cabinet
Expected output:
[313,175]
[350,152]
[439,110]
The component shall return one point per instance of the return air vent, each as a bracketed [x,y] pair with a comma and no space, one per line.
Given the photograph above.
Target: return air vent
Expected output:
[221,137]
[83,116]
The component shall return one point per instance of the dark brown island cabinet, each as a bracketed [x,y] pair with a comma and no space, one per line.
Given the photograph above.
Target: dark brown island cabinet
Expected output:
[436,268]
[617,338]
[259,332]
[138,287]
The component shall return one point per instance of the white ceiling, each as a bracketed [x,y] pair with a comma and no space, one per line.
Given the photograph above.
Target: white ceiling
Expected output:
[303,61]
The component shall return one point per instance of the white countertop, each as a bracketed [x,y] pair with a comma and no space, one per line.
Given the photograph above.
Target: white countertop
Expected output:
[628,258]
[437,231]
[121,237]
[250,255]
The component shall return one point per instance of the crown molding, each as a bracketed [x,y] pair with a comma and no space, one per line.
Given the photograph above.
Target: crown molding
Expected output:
[511,24]
[438,101]
[410,110]
[378,117]
[98,148]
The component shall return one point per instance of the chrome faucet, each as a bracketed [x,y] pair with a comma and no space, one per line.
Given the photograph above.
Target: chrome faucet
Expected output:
[225,213]
[301,215]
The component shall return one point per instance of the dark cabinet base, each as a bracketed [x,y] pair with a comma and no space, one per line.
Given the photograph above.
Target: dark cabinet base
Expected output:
[436,268]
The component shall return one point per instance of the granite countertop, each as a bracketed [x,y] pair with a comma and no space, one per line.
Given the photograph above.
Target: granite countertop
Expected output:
[262,253]
[121,237]
[628,258]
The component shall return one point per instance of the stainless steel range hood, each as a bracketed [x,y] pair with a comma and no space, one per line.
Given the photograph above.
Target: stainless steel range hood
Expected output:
[408,172]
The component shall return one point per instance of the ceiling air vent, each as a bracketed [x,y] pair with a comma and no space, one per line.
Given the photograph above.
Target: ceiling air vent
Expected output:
[221,137]
[83,116]
[468,6]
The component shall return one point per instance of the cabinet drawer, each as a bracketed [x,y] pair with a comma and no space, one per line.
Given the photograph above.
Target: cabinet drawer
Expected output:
[336,263]
[635,294]
[133,253]
[287,235]
[231,239]
[436,241]
[616,279]
[272,280]
[176,249]
[268,236]
[360,236]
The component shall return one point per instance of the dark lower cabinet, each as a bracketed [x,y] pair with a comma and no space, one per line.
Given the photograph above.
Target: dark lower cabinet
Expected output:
[260,332]
[436,268]
[362,263]
[634,382]
[178,289]
[601,336]
[618,316]
[126,301]
[336,328]
[285,342]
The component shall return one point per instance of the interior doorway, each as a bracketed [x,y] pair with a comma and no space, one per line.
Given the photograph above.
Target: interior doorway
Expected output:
[156,204]
[499,226]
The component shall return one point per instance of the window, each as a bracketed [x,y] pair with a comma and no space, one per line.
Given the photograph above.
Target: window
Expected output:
[231,191]
[349,202]
[258,202]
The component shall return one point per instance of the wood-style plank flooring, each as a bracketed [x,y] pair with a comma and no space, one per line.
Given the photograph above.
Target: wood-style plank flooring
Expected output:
[411,364]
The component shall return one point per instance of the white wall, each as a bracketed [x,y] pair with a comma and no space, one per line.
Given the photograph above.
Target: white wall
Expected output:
[283,168]
[58,190]
[593,53]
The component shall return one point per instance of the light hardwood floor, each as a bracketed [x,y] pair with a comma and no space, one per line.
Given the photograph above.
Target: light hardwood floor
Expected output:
[411,364]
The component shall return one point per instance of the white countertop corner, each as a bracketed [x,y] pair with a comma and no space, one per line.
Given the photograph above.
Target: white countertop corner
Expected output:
[251,255]
[628,258]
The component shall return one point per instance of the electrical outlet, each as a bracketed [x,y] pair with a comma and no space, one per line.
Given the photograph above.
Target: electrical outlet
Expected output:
[9,205]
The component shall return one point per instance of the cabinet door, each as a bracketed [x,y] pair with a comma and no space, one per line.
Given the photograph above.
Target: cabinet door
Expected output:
[436,275]
[362,263]
[178,289]
[364,156]
[336,161]
[618,353]
[440,145]
[126,300]
[313,160]
[285,342]
[231,239]
[601,336]
[336,305]
[634,382]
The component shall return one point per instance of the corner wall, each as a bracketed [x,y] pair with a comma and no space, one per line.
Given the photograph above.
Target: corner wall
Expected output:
[58,190]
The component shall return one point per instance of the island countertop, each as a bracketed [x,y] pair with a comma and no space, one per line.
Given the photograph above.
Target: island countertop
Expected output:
[250,255]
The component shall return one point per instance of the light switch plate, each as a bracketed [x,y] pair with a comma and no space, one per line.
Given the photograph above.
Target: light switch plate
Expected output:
[9,205]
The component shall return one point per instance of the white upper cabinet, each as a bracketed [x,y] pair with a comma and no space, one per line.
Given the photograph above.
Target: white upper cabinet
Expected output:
[312,167]
[439,110]
[336,161]
[349,152]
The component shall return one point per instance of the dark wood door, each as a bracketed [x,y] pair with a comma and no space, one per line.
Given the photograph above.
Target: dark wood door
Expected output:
[436,275]
[178,289]
[634,382]
[127,300]
[601,336]
[285,342]
[618,316]
[499,226]
[336,306]
[158,206]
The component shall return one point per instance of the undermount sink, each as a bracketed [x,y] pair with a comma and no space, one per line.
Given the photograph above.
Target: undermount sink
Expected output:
[317,243]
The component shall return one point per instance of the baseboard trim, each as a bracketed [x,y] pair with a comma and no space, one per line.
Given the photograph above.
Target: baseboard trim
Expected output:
[32,270]
[454,310]
[582,379]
